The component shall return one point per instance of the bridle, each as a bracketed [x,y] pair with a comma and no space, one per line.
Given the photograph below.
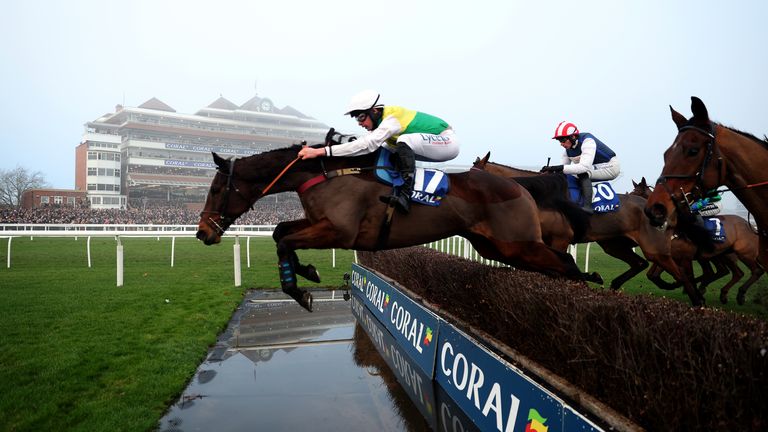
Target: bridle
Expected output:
[709,157]
[226,220]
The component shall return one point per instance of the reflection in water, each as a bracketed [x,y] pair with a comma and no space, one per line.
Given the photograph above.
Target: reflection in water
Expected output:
[365,354]
[280,368]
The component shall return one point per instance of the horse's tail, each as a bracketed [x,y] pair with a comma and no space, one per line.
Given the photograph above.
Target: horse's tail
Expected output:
[576,216]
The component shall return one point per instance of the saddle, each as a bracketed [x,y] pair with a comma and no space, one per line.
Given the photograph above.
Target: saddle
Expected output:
[604,198]
[430,185]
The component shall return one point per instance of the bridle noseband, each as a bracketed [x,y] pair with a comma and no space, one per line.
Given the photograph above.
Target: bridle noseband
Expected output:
[226,221]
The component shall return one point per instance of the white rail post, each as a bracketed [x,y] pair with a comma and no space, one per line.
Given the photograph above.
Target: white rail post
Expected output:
[119,260]
[333,257]
[236,247]
[586,259]
[9,252]
[173,249]
[88,249]
[248,251]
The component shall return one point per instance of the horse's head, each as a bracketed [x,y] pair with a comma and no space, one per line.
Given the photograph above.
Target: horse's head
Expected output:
[692,165]
[641,189]
[228,198]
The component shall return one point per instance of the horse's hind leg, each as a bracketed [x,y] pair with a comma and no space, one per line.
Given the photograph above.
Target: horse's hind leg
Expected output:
[621,248]
[282,229]
[531,255]
[756,272]
[729,261]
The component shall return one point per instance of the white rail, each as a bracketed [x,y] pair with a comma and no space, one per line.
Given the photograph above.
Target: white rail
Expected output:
[455,245]
[119,231]
[459,246]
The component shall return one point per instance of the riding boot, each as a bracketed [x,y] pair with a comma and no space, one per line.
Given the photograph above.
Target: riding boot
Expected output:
[586,192]
[405,163]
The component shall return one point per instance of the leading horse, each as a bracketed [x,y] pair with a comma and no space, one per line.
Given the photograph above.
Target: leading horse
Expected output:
[705,155]
[341,203]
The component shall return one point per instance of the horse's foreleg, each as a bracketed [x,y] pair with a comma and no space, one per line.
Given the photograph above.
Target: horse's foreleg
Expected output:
[681,275]
[654,275]
[283,229]
[622,249]
[708,276]
[301,236]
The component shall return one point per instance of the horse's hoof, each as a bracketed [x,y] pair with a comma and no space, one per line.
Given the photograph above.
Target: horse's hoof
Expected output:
[312,274]
[740,299]
[723,299]
[306,301]
[596,278]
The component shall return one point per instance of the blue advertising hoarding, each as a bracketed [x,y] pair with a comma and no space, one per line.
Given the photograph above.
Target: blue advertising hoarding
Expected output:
[418,386]
[476,389]
[413,326]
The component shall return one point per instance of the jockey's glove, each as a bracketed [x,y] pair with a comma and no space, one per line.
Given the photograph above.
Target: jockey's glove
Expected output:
[552,168]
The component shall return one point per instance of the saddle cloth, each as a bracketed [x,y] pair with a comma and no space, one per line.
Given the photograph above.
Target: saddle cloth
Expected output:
[604,198]
[430,186]
[715,228]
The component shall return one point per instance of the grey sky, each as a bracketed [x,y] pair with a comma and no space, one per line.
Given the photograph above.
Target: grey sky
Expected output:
[503,73]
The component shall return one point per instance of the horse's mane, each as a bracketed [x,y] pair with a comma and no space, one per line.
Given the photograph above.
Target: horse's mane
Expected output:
[763,142]
[513,168]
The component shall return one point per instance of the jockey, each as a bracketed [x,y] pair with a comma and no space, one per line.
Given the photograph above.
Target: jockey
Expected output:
[585,157]
[408,134]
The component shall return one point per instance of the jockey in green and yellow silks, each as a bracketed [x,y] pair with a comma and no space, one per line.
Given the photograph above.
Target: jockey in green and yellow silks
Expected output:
[408,134]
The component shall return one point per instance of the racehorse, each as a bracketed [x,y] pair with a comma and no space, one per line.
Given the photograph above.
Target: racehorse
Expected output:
[617,232]
[342,209]
[705,155]
[741,243]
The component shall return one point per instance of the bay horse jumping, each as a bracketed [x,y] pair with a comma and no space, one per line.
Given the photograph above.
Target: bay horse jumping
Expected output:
[341,203]
[617,233]
[741,243]
[705,155]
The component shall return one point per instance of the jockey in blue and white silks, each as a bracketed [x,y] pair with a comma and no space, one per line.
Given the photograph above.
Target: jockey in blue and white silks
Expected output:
[585,157]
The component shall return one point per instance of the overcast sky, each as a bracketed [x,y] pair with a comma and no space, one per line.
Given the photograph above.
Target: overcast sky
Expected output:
[502,73]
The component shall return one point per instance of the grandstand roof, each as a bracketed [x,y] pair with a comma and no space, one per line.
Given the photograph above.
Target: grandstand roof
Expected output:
[156,104]
[223,103]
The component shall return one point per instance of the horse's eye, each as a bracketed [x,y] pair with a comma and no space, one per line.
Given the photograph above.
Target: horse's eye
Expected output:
[693,151]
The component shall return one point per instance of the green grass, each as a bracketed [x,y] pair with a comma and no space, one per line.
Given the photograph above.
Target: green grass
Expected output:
[79,353]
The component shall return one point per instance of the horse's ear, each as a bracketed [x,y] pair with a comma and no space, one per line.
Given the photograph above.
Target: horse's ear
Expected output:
[643,182]
[487,157]
[218,160]
[635,185]
[678,118]
[699,111]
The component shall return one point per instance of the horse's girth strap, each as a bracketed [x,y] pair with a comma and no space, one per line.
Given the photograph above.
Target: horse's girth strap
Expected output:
[343,171]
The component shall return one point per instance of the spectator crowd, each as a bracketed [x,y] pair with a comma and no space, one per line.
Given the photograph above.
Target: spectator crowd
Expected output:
[268,211]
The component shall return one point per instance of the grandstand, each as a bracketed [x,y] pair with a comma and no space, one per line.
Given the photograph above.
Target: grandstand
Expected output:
[151,155]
